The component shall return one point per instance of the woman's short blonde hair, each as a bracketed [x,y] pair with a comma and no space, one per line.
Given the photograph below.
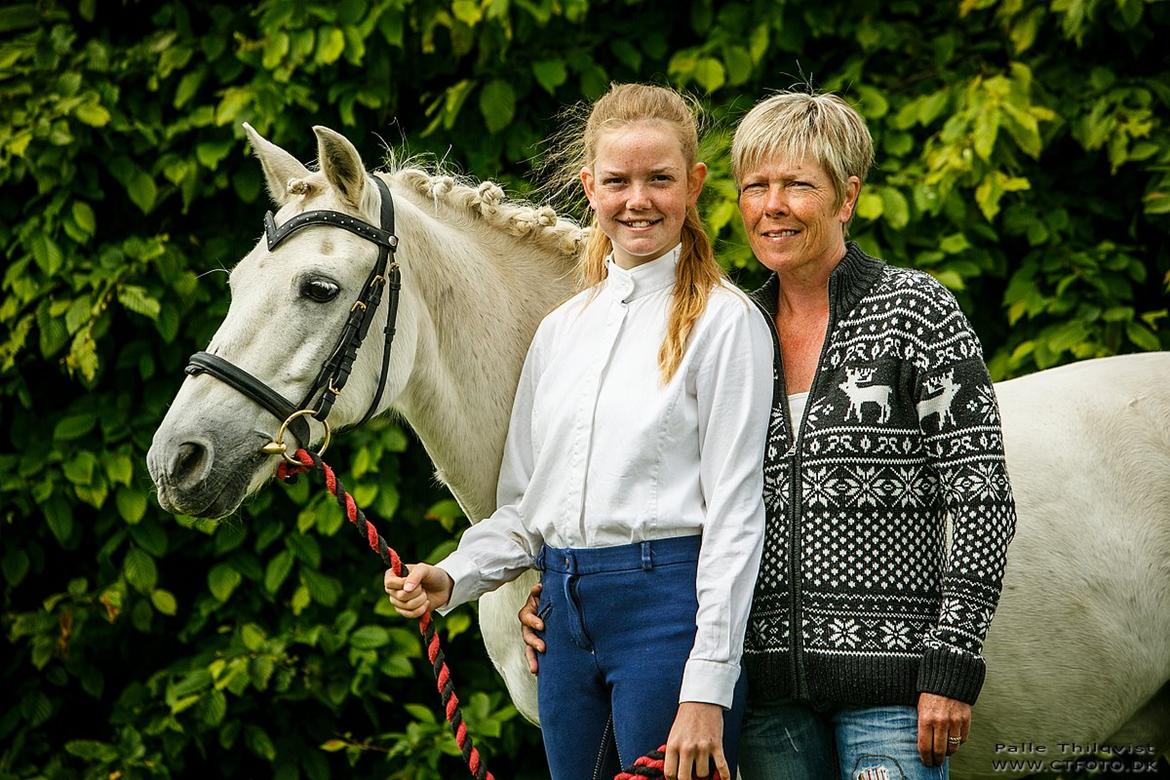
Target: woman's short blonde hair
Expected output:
[793,126]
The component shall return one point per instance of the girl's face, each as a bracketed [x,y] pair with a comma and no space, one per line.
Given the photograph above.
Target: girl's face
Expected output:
[640,187]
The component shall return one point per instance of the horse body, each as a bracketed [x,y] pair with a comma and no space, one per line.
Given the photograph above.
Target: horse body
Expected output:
[1080,646]
[1081,640]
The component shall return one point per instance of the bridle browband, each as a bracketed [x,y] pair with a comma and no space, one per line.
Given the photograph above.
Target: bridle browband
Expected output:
[334,373]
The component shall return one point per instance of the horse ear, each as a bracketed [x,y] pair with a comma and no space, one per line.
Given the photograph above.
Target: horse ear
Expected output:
[341,164]
[279,166]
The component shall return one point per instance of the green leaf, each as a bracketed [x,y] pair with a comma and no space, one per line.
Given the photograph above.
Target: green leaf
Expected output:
[330,45]
[869,205]
[79,469]
[739,65]
[234,101]
[19,16]
[258,742]
[709,73]
[277,570]
[1142,336]
[164,601]
[188,86]
[47,254]
[119,467]
[871,103]
[895,208]
[131,504]
[210,153]
[627,54]
[333,745]
[140,187]
[137,300]
[324,589]
[550,74]
[497,102]
[300,600]
[140,571]
[74,426]
[986,131]
[950,279]
[421,713]
[91,750]
[275,49]
[1157,202]
[758,41]
[222,580]
[15,565]
[954,244]
[369,638]
[59,516]
[92,114]
[470,12]
[305,548]
[253,637]
[84,217]
[194,681]
[214,708]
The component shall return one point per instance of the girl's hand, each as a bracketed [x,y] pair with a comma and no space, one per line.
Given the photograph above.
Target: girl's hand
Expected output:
[695,745]
[424,589]
[530,624]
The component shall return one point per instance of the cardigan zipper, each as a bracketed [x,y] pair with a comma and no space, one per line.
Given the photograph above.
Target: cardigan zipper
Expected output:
[799,688]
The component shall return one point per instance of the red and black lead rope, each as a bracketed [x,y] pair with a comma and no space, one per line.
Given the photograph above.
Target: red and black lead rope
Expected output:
[648,766]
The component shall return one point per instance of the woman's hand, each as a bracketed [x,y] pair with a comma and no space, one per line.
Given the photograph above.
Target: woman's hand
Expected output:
[530,624]
[943,724]
[424,589]
[696,740]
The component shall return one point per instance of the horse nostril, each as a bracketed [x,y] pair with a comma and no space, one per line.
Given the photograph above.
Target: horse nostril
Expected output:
[189,463]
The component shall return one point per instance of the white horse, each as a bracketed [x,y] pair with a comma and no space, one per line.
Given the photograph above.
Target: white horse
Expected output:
[1079,651]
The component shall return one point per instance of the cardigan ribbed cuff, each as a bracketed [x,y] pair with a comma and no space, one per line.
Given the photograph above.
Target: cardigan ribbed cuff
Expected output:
[956,675]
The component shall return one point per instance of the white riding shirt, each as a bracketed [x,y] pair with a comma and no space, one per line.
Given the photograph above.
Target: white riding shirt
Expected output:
[600,453]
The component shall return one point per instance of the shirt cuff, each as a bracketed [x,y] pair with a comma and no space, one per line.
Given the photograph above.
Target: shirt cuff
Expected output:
[709,682]
[465,574]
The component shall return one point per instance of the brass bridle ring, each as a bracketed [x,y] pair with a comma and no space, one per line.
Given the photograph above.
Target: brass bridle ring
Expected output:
[278,447]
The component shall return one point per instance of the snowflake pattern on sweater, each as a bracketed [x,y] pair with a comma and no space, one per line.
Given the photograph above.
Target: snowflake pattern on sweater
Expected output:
[901,433]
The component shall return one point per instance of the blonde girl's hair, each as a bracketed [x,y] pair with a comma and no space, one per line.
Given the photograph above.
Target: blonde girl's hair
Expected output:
[697,272]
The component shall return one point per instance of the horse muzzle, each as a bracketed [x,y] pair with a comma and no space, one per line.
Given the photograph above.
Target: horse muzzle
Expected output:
[196,477]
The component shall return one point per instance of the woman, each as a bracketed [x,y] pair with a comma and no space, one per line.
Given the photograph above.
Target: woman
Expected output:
[631,473]
[864,645]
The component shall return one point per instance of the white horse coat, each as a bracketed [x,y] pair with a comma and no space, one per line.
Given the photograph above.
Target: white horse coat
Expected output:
[1079,651]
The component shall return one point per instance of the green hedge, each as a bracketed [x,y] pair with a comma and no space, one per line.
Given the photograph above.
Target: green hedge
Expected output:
[1023,159]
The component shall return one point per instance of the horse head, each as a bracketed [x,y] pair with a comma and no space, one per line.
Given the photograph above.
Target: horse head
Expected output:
[289,303]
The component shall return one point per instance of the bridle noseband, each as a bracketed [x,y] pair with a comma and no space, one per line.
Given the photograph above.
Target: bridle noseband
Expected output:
[334,373]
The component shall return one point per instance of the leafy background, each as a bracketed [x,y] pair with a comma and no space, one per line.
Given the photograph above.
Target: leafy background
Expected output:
[1023,159]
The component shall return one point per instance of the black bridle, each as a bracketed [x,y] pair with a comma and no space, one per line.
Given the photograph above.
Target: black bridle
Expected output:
[334,373]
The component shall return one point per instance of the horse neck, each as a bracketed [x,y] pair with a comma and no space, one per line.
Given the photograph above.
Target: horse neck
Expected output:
[481,294]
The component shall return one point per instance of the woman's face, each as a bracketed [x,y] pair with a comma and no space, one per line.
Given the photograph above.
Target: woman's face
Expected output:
[640,187]
[791,215]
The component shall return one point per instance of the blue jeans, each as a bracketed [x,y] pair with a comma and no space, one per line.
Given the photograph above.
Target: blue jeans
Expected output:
[619,627]
[788,740]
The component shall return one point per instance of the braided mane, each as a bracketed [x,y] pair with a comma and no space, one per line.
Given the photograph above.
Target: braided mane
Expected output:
[486,203]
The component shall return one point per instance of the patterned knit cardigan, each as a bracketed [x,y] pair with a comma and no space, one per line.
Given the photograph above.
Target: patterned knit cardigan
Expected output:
[901,431]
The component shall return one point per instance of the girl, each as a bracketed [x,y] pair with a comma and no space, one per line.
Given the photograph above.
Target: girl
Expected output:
[632,469]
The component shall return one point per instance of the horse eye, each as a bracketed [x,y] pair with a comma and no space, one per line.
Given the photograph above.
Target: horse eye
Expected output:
[319,290]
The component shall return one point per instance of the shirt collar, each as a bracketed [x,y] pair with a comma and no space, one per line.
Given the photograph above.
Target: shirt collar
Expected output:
[643,279]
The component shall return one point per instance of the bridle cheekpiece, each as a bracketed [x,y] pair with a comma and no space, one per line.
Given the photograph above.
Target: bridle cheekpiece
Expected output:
[334,373]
